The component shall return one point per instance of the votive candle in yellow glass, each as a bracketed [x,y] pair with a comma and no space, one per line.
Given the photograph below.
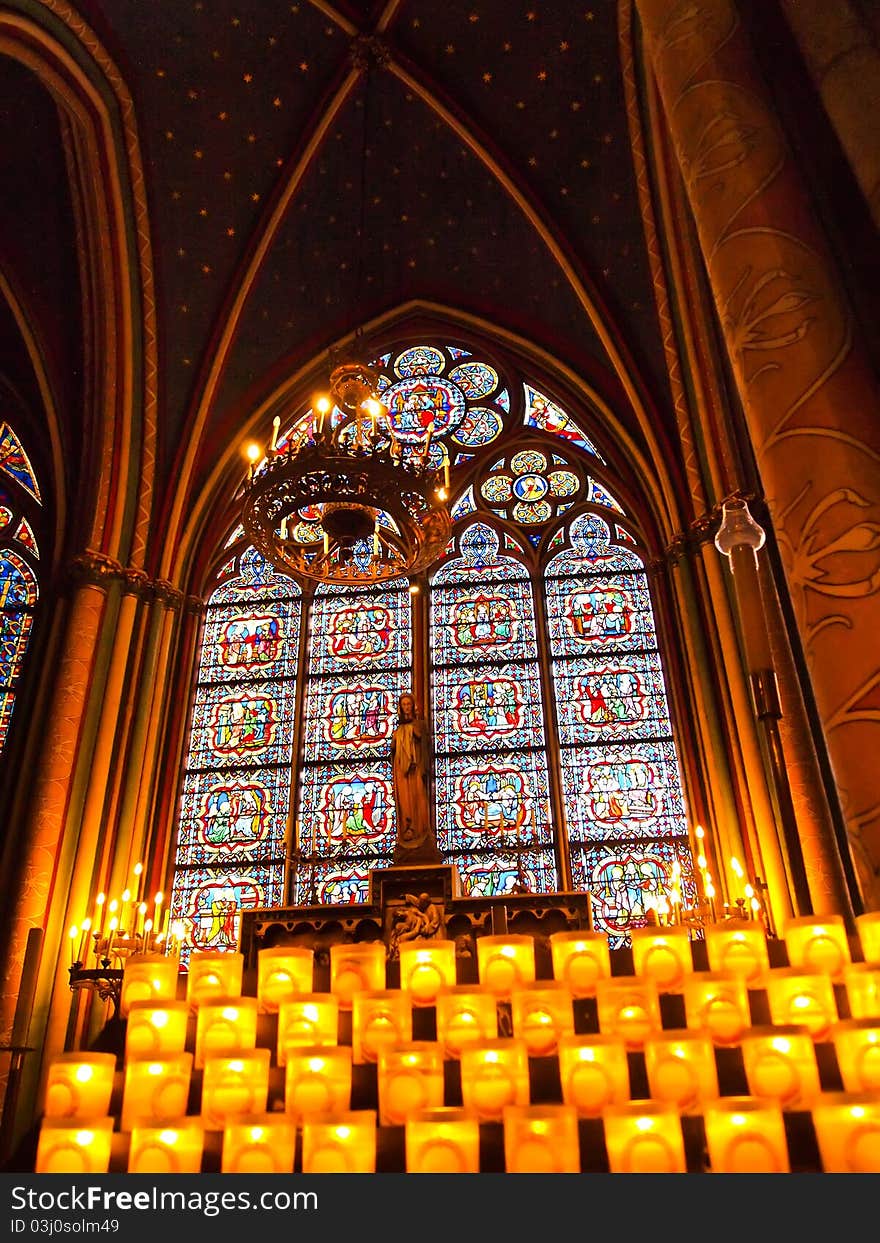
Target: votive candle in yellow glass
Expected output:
[644,1137]
[465,1015]
[213,976]
[505,962]
[155,1088]
[857,1048]
[541,1139]
[780,1065]
[343,1143]
[805,998]
[379,1018]
[662,955]
[283,973]
[868,931]
[745,1136]
[580,958]
[148,977]
[174,1147]
[847,1126]
[410,1079]
[426,967]
[233,1087]
[263,1144]
[225,1027]
[317,1080]
[494,1073]
[862,983]
[357,966]
[628,1007]
[594,1072]
[817,944]
[681,1069]
[79,1085]
[445,1140]
[74,1146]
[308,1020]
[717,1004]
[738,947]
[542,1012]
[156,1028]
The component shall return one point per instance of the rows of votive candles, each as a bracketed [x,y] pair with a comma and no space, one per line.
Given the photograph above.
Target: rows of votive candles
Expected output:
[779,1060]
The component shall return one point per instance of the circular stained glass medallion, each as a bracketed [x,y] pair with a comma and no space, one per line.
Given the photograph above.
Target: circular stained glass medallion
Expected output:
[563,483]
[528,461]
[497,488]
[474,379]
[478,427]
[532,513]
[529,487]
[420,360]
[415,403]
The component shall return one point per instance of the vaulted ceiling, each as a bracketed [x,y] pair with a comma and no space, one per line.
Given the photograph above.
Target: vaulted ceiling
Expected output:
[310,166]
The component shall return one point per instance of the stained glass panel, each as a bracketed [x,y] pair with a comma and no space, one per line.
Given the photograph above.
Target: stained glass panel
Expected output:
[544,414]
[625,877]
[14,462]
[235,797]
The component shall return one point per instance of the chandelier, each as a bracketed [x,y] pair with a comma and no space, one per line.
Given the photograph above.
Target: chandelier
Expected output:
[345,499]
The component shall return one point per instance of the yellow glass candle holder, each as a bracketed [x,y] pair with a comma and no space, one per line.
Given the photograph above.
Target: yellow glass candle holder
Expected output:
[465,1015]
[780,1065]
[738,947]
[79,1085]
[804,998]
[378,1019]
[862,983]
[817,944]
[259,1145]
[594,1072]
[494,1073]
[580,958]
[442,1141]
[155,1028]
[213,976]
[234,1087]
[283,973]
[343,1143]
[542,1012]
[847,1126]
[662,955]
[541,1139]
[74,1146]
[410,1080]
[681,1069]
[175,1147]
[644,1137]
[505,962]
[745,1136]
[155,1089]
[717,1004]
[868,931]
[148,977]
[226,1027]
[358,966]
[857,1048]
[628,1007]
[317,1080]
[426,967]
[312,1019]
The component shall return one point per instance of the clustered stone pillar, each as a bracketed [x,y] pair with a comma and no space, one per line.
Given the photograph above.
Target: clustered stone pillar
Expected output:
[806,383]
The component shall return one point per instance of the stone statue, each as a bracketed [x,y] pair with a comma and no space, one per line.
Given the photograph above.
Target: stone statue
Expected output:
[409,773]
[418,919]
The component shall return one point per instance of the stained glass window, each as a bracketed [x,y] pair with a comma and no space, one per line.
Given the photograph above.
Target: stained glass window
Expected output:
[621,780]
[231,845]
[19,554]
[492,784]
[359,664]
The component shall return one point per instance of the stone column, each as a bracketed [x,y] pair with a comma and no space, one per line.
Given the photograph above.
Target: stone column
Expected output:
[807,386]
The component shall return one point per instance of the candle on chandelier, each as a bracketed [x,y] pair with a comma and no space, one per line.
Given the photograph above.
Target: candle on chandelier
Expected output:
[276,424]
[137,871]
[73,936]
[98,917]
[82,952]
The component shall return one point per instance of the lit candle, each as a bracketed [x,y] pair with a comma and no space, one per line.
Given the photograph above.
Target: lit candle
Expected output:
[73,937]
[541,1139]
[780,1065]
[643,1137]
[82,952]
[426,967]
[123,910]
[167,1149]
[868,929]
[235,1087]
[857,1048]
[322,405]
[681,1069]
[283,973]
[312,1019]
[147,977]
[796,996]
[225,1028]
[155,1088]
[442,1141]
[663,955]
[157,906]
[847,1126]
[739,947]
[745,1136]
[74,1147]
[265,1144]
[276,424]
[98,918]
[356,966]
[410,1079]
[342,1143]
[317,1080]
[717,1004]
[213,976]
[629,1008]
[139,922]
[542,1012]
[79,1085]
[379,1017]
[580,959]
[594,1072]
[155,1027]
[465,1015]
[494,1073]
[504,962]
[817,944]
[137,872]
[862,983]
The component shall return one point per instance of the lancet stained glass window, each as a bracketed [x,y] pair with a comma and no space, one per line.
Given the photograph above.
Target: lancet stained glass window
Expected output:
[234,805]
[359,664]
[492,791]
[19,555]
[621,781]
